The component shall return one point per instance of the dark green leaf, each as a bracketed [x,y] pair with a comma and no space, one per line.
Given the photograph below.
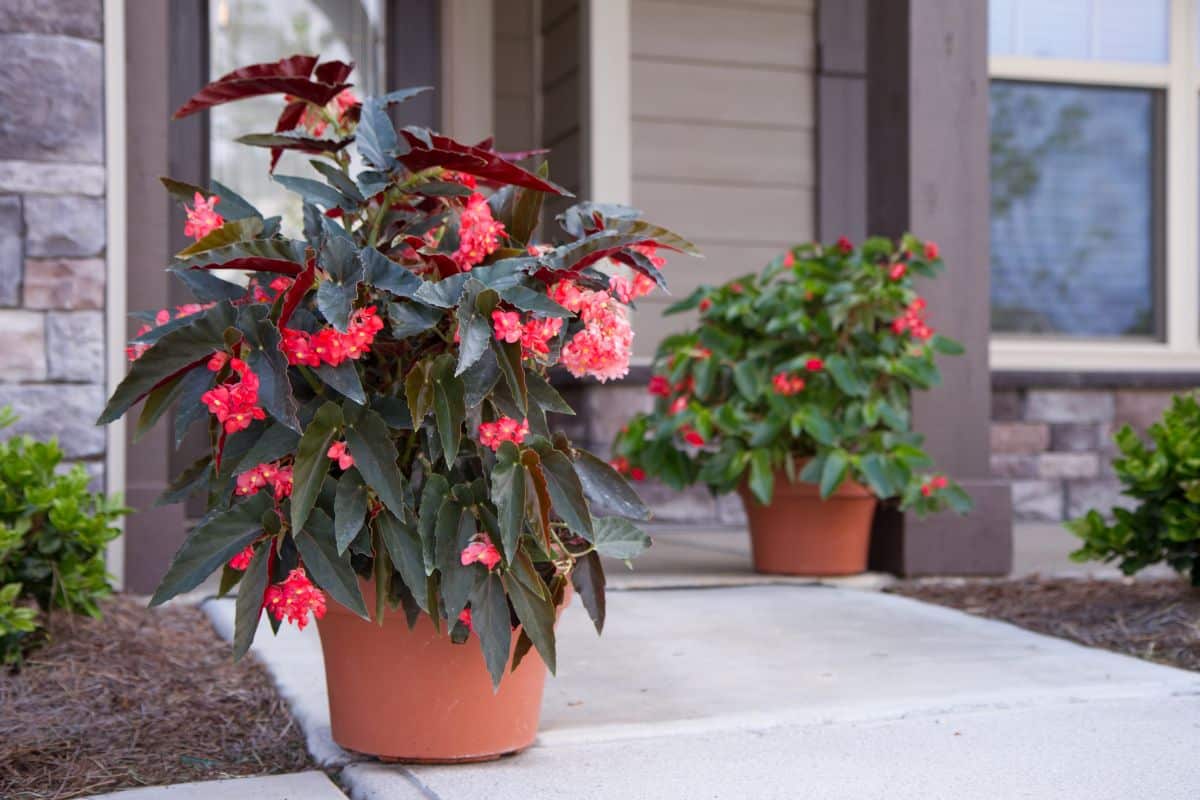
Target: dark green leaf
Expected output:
[157,403]
[588,579]
[833,472]
[508,355]
[344,380]
[508,493]
[335,297]
[383,273]
[537,617]
[283,256]
[312,465]
[432,495]
[409,319]
[762,477]
[176,351]
[248,607]
[376,136]
[566,491]
[539,304]
[267,361]
[218,537]
[616,537]
[405,550]
[332,572]
[349,508]
[315,192]
[449,406]
[480,379]
[490,617]
[546,395]
[375,456]
[607,490]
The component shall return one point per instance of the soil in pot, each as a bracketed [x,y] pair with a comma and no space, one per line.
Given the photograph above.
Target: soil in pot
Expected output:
[798,533]
[413,695]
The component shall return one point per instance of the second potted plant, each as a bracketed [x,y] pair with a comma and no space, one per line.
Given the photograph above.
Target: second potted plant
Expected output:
[793,389]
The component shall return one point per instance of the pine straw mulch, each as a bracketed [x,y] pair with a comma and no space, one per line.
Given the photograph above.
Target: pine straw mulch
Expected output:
[1158,620]
[139,698]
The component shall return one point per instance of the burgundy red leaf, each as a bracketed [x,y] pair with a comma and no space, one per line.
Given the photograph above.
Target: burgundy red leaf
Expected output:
[288,75]
[429,149]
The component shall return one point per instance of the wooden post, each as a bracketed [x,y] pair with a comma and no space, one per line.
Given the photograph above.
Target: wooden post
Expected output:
[152,534]
[927,172]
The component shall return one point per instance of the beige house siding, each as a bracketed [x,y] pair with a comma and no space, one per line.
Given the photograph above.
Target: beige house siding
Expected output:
[723,119]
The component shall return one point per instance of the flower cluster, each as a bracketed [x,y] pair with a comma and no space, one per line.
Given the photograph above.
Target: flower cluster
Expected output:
[294,598]
[241,562]
[627,290]
[478,233]
[786,384]
[341,454]
[234,403]
[330,346]
[933,484]
[621,465]
[913,321]
[279,478]
[202,217]
[481,550]
[534,334]
[134,351]
[505,429]
[604,346]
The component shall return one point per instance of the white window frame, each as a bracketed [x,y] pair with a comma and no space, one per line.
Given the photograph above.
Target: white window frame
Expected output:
[1180,80]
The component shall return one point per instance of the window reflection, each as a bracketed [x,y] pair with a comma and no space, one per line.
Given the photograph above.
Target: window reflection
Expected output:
[1073,194]
[251,31]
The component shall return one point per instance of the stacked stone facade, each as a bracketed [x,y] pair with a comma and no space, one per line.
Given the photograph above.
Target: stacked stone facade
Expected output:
[52,221]
[1055,445]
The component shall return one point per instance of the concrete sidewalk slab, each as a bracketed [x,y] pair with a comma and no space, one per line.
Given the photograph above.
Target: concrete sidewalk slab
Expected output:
[706,682]
[297,786]
[1106,750]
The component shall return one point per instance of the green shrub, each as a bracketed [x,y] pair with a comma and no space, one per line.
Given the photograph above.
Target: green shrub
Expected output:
[53,532]
[1165,478]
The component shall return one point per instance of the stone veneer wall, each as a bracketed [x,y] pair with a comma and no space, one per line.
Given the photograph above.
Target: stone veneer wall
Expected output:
[52,224]
[1055,445]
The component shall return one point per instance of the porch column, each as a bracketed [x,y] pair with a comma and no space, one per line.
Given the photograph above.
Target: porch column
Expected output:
[152,534]
[927,172]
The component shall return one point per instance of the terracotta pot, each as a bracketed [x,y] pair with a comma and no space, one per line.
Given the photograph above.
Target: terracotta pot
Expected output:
[413,695]
[798,533]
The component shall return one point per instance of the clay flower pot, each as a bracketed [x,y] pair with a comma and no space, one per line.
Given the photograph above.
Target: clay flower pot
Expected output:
[413,695]
[798,533]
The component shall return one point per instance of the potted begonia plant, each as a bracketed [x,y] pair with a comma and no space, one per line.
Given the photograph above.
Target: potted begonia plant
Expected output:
[793,389]
[378,411]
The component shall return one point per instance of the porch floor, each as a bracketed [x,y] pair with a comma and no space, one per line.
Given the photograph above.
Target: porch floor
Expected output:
[738,688]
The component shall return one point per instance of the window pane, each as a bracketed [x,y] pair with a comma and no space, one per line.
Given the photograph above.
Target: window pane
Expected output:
[251,31]
[1074,231]
[1106,30]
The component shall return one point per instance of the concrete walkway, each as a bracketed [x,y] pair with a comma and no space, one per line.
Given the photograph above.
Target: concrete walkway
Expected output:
[783,691]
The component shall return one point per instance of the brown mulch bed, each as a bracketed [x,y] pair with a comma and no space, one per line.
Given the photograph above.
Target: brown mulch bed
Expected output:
[1158,620]
[139,698]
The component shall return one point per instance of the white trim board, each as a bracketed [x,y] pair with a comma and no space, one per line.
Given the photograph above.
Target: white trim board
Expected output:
[115,258]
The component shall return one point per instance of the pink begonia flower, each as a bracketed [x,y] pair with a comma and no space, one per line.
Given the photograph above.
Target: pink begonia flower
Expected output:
[604,346]
[338,452]
[235,403]
[464,617]
[897,270]
[293,599]
[507,325]
[482,551]
[505,429]
[931,251]
[242,560]
[536,335]
[478,233]
[202,218]
[814,365]
[659,386]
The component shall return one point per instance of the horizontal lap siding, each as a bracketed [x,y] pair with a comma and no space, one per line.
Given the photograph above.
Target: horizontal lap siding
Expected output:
[723,136]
